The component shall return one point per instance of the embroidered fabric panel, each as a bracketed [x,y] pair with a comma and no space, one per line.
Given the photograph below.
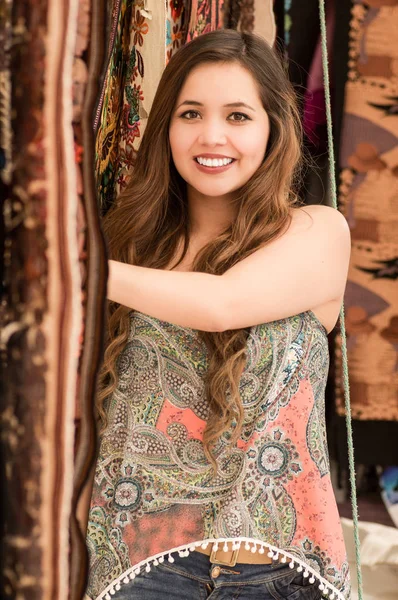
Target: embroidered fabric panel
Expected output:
[369,167]
[154,484]
[205,16]
[144,34]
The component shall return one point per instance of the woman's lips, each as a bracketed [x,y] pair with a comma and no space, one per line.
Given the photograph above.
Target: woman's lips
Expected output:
[213,170]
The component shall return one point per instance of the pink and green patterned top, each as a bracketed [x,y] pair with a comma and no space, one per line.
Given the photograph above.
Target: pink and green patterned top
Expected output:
[154,492]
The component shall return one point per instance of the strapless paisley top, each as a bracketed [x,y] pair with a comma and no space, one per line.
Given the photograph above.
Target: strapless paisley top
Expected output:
[154,493]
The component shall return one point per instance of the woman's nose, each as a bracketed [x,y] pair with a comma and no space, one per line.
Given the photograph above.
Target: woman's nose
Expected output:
[212,132]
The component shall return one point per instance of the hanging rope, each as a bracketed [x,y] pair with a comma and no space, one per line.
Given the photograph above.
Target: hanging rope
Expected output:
[332,176]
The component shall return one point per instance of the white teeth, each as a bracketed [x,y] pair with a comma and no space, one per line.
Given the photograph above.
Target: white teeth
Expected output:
[214,162]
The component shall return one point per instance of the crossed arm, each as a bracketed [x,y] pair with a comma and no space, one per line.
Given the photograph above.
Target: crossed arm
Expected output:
[294,273]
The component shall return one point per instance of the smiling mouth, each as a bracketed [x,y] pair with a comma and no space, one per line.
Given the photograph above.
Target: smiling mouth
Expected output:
[227,163]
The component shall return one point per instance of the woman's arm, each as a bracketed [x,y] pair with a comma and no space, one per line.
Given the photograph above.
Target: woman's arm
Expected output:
[301,270]
[188,299]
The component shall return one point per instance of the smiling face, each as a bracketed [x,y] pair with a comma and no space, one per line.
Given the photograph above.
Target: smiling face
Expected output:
[202,125]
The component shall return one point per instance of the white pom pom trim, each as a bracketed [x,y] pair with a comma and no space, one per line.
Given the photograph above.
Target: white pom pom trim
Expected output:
[236,543]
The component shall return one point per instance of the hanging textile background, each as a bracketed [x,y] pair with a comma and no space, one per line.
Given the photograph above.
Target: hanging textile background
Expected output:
[53,299]
[5,179]
[368,198]
[204,16]
[144,35]
[256,16]
[88,62]
[300,35]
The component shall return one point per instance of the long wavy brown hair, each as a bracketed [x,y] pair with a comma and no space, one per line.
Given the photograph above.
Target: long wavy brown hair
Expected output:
[150,216]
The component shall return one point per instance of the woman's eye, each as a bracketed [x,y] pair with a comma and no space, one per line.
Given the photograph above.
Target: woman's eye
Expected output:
[243,116]
[246,117]
[189,112]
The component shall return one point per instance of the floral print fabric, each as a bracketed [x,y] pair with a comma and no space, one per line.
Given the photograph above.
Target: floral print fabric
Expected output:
[144,34]
[154,489]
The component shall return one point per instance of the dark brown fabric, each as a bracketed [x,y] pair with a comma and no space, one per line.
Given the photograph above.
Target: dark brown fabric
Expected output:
[93,263]
[23,308]
[53,300]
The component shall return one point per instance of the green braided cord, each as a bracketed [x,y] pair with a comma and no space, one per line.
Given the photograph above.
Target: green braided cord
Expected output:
[332,175]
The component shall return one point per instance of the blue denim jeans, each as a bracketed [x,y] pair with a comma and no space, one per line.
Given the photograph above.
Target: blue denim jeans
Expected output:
[195,578]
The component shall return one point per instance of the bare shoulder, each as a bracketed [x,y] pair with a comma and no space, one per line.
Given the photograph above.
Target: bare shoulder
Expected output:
[322,228]
[321,216]
[318,228]
[327,231]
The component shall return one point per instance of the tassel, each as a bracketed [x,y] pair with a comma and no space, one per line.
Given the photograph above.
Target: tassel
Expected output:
[161,559]
[117,586]
[312,579]
[156,562]
[108,597]
[132,576]
[215,547]
[261,550]
[147,568]
[283,559]
[254,548]
[305,574]
[193,21]
[126,580]
[225,547]
[270,554]
[171,559]
[204,545]
[299,569]
[247,546]
[291,564]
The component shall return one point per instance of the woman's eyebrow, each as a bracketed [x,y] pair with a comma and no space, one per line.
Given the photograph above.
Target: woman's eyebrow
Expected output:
[231,104]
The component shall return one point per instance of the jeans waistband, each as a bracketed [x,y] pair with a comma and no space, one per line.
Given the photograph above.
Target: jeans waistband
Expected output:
[198,566]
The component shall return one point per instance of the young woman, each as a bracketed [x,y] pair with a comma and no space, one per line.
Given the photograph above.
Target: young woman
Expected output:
[212,478]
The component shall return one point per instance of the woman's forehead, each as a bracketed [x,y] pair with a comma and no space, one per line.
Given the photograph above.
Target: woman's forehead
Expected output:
[226,82]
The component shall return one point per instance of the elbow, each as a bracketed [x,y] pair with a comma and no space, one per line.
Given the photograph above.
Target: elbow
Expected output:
[216,324]
[219,327]
[221,310]
[218,309]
